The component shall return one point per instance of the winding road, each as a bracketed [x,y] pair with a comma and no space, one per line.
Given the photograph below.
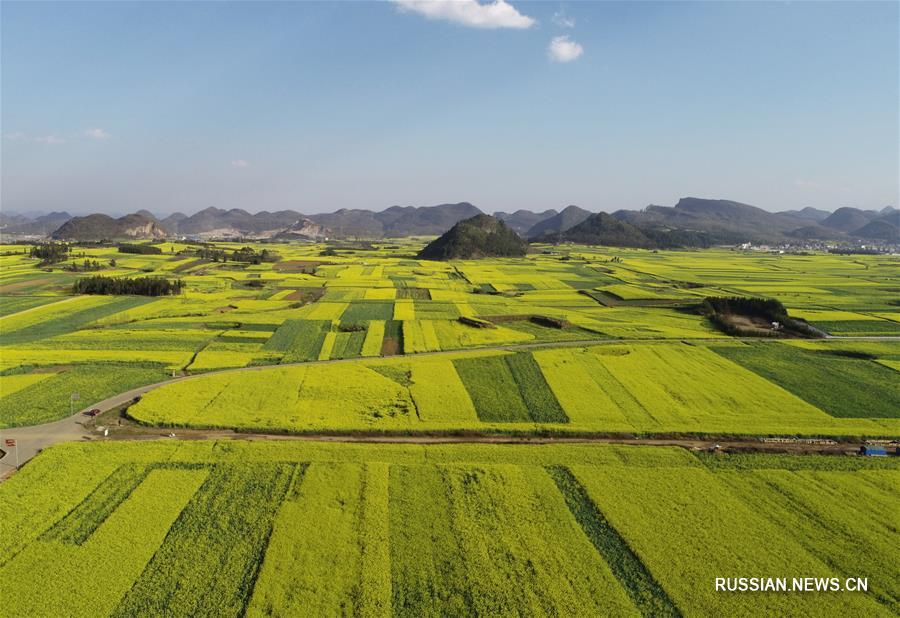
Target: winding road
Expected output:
[31,440]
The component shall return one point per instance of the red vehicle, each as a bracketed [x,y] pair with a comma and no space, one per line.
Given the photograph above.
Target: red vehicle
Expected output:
[92,412]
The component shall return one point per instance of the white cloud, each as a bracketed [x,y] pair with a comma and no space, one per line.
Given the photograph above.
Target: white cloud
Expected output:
[49,139]
[806,184]
[98,134]
[240,163]
[562,20]
[496,14]
[19,136]
[563,49]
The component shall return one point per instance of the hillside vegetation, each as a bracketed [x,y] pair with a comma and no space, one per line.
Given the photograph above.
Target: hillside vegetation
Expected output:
[601,229]
[479,237]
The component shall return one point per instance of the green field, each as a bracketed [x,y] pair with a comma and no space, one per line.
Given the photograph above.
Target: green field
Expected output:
[842,386]
[223,528]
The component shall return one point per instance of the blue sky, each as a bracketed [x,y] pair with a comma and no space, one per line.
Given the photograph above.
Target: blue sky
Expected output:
[317,106]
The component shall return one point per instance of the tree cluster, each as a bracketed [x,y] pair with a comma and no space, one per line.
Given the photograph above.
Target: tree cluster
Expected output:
[719,311]
[767,308]
[50,253]
[245,255]
[137,286]
[87,266]
[139,249]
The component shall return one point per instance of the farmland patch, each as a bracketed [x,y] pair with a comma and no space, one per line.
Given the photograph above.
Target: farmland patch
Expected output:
[212,554]
[509,388]
[843,387]
[644,591]
[362,311]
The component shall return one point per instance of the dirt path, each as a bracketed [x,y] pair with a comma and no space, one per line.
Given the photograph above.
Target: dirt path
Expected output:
[32,440]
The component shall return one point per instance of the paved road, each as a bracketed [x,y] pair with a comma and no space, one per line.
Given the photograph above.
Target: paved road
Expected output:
[31,440]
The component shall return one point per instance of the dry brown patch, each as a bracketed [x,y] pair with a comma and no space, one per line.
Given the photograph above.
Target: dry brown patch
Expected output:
[12,287]
[299,266]
[390,347]
[307,295]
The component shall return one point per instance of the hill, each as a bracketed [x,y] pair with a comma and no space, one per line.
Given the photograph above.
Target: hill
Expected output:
[304,229]
[720,221]
[568,218]
[237,222]
[396,221]
[847,219]
[886,226]
[814,232]
[348,223]
[879,229]
[100,227]
[523,220]
[172,222]
[426,220]
[477,237]
[601,229]
[41,225]
[808,213]
[146,213]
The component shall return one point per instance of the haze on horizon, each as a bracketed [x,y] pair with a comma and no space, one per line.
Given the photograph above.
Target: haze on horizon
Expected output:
[115,107]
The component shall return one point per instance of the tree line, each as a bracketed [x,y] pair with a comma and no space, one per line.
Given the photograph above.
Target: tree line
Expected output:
[139,249]
[51,252]
[137,286]
[244,254]
[86,266]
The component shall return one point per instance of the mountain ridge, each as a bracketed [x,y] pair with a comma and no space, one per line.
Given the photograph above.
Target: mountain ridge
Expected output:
[567,218]
[695,219]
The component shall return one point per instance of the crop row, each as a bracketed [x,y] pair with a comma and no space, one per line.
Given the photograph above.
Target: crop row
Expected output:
[73,315]
[509,388]
[647,595]
[15,304]
[47,578]
[300,340]
[460,537]
[210,558]
[659,388]
[84,519]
